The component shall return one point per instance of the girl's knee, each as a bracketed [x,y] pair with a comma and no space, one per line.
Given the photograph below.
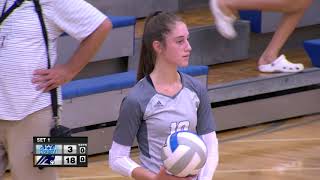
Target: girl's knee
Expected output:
[301,5]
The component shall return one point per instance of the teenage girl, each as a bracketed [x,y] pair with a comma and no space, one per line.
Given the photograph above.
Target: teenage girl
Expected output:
[163,101]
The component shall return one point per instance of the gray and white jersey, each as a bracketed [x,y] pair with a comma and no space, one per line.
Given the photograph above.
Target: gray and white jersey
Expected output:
[152,117]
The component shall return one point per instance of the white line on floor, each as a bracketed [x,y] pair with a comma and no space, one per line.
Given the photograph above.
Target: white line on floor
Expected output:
[218,171]
[275,140]
[90,177]
[267,170]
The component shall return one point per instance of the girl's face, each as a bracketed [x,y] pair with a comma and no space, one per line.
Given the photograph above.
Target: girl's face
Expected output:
[177,48]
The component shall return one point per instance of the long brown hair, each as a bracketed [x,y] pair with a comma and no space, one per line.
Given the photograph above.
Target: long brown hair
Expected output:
[156,27]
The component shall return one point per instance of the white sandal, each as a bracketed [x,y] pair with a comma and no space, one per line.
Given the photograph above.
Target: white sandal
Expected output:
[281,64]
[223,22]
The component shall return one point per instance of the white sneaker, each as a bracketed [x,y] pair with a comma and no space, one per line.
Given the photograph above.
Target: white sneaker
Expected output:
[223,23]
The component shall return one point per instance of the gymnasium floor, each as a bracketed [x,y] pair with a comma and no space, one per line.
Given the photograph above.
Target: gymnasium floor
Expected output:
[281,150]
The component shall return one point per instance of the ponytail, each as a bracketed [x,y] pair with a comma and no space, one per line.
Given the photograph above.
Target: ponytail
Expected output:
[146,63]
[147,57]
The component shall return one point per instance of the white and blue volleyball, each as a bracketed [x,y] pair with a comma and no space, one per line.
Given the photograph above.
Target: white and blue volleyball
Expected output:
[184,154]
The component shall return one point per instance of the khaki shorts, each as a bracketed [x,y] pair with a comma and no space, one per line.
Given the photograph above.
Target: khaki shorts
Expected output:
[16,145]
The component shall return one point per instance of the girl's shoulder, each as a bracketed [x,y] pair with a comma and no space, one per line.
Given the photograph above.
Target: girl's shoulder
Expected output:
[141,92]
[192,82]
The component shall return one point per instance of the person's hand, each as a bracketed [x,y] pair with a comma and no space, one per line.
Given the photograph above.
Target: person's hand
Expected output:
[163,175]
[47,79]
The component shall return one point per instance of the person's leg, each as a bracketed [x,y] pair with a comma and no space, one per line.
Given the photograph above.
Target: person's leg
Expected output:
[20,146]
[3,161]
[3,154]
[223,11]
[292,13]
[284,6]
[286,27]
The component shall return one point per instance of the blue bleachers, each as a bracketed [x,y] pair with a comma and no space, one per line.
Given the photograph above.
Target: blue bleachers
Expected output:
[100,84]
[255,19]
[312,47]
[117,81]
[194,70]
[121,21]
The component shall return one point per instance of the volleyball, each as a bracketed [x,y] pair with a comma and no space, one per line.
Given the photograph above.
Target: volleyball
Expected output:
[183,154]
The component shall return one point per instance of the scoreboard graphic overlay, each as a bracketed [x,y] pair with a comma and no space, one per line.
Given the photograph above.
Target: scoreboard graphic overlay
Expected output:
[60,151]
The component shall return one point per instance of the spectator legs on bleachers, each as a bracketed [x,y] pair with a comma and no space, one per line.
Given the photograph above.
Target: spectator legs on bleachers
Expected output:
[269,61]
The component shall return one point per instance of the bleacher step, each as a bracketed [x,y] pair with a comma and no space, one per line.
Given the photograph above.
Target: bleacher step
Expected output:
[262,85]
[267,110]
[135,8]
[118,44]
[267,98]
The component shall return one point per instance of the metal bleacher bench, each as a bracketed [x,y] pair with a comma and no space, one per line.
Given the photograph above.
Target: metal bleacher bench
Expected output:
[120,41]
[91,106]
